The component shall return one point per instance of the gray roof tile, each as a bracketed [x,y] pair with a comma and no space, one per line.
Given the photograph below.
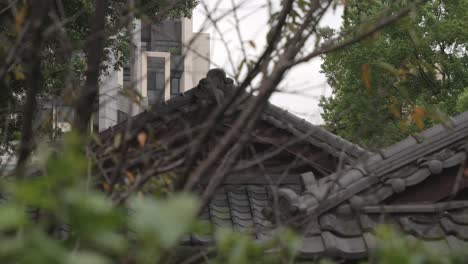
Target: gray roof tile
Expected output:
[320,137]
[433,131]
[354,247]
[456,243]
[460,218]
[461,119]
[428,231]
[371,241]
[312,246]
[450,227]
[417,177]
[398,147]
[343,226]
[349,178]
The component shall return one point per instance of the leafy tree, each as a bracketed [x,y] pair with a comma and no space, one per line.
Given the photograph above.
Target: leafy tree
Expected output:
[63,49]
[399,80]
[462,102]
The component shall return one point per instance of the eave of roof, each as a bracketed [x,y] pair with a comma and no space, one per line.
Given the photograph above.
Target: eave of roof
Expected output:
[391,164]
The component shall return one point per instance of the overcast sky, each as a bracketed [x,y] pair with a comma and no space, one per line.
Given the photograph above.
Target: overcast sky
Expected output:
[303,86]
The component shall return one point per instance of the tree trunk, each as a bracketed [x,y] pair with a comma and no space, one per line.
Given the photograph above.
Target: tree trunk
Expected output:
[85,103]
[33,83]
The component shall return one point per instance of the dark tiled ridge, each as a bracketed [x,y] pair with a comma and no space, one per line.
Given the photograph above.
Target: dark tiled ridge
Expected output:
[318,136]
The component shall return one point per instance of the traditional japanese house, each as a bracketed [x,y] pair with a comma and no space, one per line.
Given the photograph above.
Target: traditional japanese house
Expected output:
[296,174]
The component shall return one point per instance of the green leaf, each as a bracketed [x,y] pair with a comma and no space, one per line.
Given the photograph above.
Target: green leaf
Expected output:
[86,258]
[11,216]
[163,221]
[462,101]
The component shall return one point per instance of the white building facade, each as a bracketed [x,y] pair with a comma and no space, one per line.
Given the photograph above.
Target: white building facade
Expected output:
[169,59]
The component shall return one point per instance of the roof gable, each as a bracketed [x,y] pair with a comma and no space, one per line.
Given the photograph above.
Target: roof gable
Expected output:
[311,144]
[338,213]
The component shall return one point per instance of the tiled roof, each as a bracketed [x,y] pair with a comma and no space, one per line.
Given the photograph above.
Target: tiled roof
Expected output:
[202,97]
[392,169]
[337,214]
[318,136]
[349,204]
[442,227]
[352,235]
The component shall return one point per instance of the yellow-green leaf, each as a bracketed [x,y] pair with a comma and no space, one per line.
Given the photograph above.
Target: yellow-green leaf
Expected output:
[130,176]
[19,19]
[19,75]
[418,117]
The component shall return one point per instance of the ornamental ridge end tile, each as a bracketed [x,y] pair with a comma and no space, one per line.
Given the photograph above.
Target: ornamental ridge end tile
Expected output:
[342,226]
[350,177]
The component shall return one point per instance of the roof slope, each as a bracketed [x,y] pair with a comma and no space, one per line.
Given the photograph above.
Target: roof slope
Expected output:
[412,185]
[393,169]
[407,185]
[202,96]
[203,99]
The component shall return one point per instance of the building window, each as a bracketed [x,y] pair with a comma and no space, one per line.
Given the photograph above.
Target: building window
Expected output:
[126,76]
[151,81]
[146,32]
[175,86]
[160,83]
[168,30]
[121,116]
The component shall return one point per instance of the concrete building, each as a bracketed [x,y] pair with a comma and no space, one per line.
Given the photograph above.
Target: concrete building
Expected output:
[169,59]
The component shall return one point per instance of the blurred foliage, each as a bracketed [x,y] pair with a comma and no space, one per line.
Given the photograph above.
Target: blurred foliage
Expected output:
[402,79]
[462,101]
[54,216]
[393,248]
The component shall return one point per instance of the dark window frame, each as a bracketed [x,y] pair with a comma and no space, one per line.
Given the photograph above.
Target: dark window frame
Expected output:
[173,90]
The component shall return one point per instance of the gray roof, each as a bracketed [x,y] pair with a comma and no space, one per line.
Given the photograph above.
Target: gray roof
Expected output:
[201,97]
[347,234]
[392,169]
[336,215]
[318,135]
[349,204]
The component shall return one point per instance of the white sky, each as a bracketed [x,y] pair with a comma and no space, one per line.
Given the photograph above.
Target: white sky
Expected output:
[303,86]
